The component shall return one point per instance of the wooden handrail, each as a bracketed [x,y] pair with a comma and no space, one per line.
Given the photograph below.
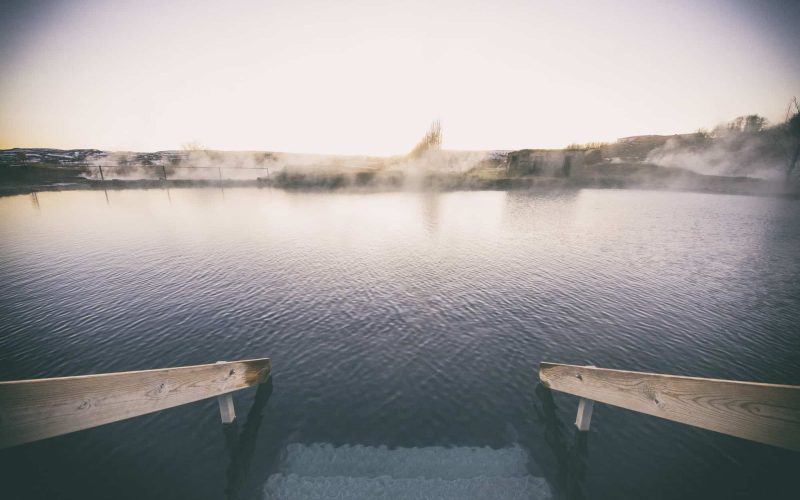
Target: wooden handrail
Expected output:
[37,409]
[767,413]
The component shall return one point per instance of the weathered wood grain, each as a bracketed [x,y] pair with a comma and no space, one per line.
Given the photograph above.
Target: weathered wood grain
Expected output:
[37,409]
[767,413]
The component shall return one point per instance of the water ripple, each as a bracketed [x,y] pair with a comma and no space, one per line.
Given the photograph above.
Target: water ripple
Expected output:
[403,319]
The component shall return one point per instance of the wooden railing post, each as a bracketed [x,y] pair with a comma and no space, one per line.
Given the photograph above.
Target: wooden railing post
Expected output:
[227,412]
[584,418]
[226,409]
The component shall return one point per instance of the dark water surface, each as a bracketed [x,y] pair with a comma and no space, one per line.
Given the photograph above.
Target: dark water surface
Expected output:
[403,319]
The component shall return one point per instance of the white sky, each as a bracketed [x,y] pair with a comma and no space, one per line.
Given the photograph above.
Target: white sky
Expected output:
[369,76]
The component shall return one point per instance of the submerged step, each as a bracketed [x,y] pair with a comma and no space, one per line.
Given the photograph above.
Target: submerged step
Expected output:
[431,462]
[294,487]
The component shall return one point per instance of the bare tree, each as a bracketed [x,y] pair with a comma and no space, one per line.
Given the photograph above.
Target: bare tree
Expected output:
[754,123]
[791,133]
[749,123]
[431,142]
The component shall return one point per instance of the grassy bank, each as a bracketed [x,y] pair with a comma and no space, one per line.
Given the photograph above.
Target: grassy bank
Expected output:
[38,177]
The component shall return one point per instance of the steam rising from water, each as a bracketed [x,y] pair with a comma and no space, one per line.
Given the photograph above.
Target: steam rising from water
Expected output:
[201,164]
[732,153]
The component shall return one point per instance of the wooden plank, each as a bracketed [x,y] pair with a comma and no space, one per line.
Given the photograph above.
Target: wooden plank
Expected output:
[37,409]
[767,413]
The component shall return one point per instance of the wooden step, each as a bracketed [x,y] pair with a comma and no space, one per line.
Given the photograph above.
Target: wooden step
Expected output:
[294,487]
[430,462]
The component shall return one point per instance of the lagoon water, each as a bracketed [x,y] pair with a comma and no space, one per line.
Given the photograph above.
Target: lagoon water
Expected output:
[399,319]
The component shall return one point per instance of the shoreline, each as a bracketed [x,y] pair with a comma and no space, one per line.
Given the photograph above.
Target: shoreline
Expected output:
[444,183]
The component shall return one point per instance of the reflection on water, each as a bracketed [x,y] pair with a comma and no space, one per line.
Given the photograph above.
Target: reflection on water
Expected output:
[399,319]
[240,441]
[569,446]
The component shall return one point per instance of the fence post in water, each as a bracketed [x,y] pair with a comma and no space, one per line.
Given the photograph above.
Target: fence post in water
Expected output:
[100,167]
[164,171]
[584,418]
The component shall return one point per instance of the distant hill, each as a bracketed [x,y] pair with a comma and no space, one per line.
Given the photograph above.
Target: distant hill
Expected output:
[78,157]
[48,155]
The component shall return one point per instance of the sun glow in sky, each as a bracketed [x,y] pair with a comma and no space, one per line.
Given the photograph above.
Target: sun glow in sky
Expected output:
[370,76]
